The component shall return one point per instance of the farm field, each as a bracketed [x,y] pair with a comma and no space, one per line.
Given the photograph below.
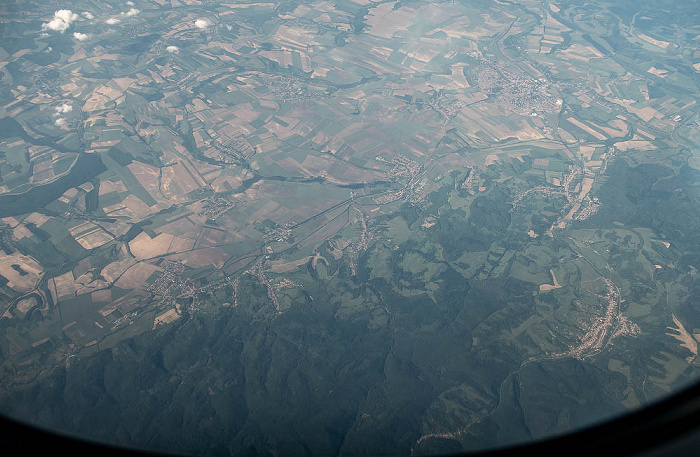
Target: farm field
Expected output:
[346,227]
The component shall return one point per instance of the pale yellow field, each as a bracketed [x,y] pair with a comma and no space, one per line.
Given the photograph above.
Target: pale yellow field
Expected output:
[125,304]
[166,318]
[635,143]
[587,129]
[86,284]
[184,227]
[615,128]
[147,177]
[102,296]
[102,96]
[546,287]
[280,266]
[16,281]
[658,43]
[112,271]
[658,72]
[11,221]
[295,38]
[94,239]
[132,207]
[383,22]
[89,235]
[65,285]
[26,304]
[136,276]
[203,257]
[586,187]
[37,218]
[686,339]
[176,182]
[145,247]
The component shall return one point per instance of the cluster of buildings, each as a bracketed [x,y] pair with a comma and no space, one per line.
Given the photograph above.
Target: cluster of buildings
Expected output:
[214,207]
[170,283]
[520,91]
[290,89]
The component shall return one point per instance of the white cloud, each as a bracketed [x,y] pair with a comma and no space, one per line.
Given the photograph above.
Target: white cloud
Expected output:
[201,23]
[88,15]
[172,49]
[59,122]
[112,21]
[62,19]
[131,12]
[62,109]
[130,3]
[80,36]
